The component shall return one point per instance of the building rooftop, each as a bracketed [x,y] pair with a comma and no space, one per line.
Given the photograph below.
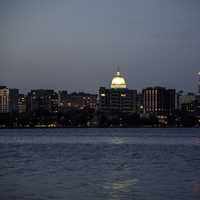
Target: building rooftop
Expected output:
[118,81]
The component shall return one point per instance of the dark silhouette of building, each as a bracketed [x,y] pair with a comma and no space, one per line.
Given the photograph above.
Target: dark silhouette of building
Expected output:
[43,100]
[4,99]
[118,98]
[159,100]
[79,101]
[140,103]
[22,103]
[63,94]
[13,100]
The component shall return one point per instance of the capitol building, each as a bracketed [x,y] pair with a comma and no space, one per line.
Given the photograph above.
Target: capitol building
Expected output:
[118,81]
[118,97]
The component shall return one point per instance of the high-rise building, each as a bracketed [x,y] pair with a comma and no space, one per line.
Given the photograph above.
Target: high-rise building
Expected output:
[4,99]
[171,100]
[63,94]
[159,100]
[77,101]
[13,100]
[22,103]
[185,99]
[140,103]
[118,98]
[199,82]
[43,100]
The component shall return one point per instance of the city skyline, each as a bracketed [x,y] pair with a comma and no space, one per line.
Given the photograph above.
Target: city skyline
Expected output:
[99,99]
[77,45]
[116,75]
[116,104]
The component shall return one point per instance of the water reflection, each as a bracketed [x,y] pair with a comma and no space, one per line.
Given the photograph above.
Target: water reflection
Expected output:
[118,140]
[99,140]
[196,141]
[120,179]
[122,187]
[196,188]
[111,166]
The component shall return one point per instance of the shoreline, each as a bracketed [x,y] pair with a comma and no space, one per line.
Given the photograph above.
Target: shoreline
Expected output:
[115,127]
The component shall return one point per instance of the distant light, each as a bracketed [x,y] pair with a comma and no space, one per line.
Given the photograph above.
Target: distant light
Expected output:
[103,95]
[118,74]
[118,81]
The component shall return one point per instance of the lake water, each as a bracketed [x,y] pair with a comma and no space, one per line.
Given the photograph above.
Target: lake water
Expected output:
[100,164]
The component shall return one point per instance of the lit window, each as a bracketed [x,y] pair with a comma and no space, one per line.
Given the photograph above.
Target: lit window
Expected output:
[123,95]
[103,95]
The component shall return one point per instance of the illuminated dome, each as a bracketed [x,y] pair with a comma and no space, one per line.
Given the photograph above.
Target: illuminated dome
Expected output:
[118,81]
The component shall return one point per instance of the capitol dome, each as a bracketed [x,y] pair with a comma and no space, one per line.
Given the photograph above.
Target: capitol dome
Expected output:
[118,81]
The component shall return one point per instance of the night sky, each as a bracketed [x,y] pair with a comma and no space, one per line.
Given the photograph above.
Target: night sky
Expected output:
[78,44]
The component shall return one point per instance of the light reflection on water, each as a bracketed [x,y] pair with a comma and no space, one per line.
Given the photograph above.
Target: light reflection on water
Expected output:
[123,184]
[120,186]
[98,140]
[37,164]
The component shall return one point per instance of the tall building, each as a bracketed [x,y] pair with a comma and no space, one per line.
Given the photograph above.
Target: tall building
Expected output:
[185,99]
[171,100]
[22,103]
[197,106]
[63,94]
[77,100]
[118,98]
[159,100]
[13,100]
[42,100]
[199,83]
[4,99]
[140,103]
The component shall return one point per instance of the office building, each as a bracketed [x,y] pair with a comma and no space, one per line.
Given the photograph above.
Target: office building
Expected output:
[13,100]
[63,94]
[22,103]
[159,100]
[118,98]
[43,100]
[4,99]
[79,101]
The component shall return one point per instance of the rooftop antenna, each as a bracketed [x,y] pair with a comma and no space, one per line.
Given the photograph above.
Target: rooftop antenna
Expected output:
[118,70]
